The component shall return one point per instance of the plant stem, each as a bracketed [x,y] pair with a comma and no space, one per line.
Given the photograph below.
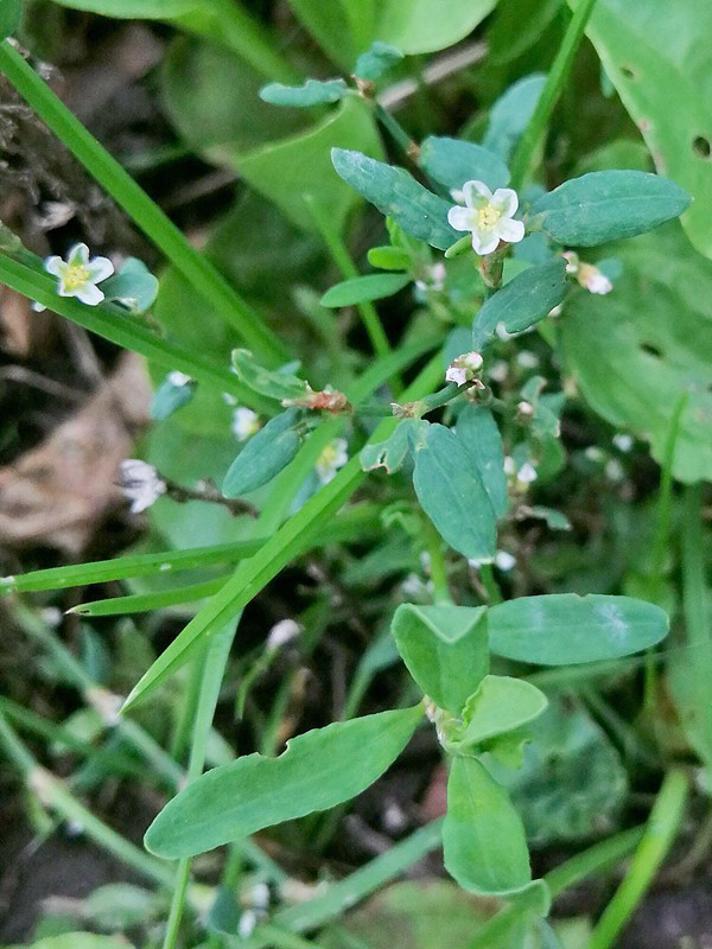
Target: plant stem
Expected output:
[494,594]
[438,568]
[555,82]
[660,832]
[145,213]
[399,135]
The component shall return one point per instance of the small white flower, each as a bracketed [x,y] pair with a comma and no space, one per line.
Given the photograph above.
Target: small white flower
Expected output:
[509,466]
[140,484]
[38,307]
[499,370]
[245,423]
[527,473]
[247,924]
[593,280]
[623,441]
[258,897]
[490,217]
[527,359]
[595,454]
[282,633]
[463,368]
[333,457]
[433,279]
[504,561]
[525,409]
[78,275]
[614,470]
[178,379]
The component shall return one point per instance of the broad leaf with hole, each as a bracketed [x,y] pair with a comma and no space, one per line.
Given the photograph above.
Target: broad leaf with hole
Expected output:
[397,194]
[393,452]
[563,629]
[477,430]
[522,302]
[312,92]
[451,162]
[501,704]
[318,770]
[652,340]
[264,455]
[604,206]
[657,55]
[483,836]
[362,289]
[453,495]
[445,650]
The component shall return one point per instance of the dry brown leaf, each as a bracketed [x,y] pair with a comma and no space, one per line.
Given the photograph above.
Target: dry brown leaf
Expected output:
[57,493]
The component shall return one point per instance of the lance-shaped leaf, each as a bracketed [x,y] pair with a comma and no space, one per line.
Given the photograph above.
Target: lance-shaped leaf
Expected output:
[562,629]
[275,384]
[362,289]
[312,92]
[318,770]
[398,195]
[606,205]
[452,494]
[483,836]
[392,453]
[511,114]
[377,60]
[264,455]
[479,433]
[452,162]
[445,650]
[522,302]
[501,704]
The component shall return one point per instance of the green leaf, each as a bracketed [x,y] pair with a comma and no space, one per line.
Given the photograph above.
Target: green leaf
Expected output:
[452,162]
[10,15]
[563,629]
[133,9]
[425,26]
[134,286]
[398,195]
[452,494]
[607,205]
[445,650]
[501,704]
[361,289]
[312,92]
[318,770]
[522,302]
[264,455]
[637,351]
[80,940]
[169,397]
[377,60]
[483,836]
[389,258]
[297,170]
[656,53]
[479,433]
[269,382]
[511,113]
[392,453]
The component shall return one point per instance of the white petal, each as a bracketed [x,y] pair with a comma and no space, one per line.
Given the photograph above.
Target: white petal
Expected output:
[100,268]
[461,219]
[484,242]
[53,265]
[456,374]
[510,230]
[89,294]
[79,254]
[506,201]
[476,193]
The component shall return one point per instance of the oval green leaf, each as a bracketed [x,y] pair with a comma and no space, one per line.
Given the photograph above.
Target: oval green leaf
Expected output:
[501,704]
[564,629]
[362,289]
[318,770]
[312,92]
[607,205]
[452,162]
[477,430]
[264,455]
[445,650]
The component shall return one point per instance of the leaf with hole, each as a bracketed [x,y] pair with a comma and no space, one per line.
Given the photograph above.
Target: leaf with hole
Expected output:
[452,494]
[605,206]
[362,289]
[396,193]
[562,628]
[445,650]
[318,770]
[393,452]
[522,302]
[451,162]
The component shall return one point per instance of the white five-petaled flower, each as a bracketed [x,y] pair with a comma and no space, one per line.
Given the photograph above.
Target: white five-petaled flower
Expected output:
[78,275]
[140,484]
[245,423]
[489,216]
[333,457]
[463,368]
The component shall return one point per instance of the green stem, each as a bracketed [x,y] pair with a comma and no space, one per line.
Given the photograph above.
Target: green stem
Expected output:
[438,567]
[396,131]
[145,213]
[660,832]
[555,82]
[494,594]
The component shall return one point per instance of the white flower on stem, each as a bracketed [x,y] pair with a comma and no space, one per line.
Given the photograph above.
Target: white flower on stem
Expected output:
[527,473]
[282,633]
[504,561]
[245,423]
[587,276]
[463,368]
[79,275]
[179,379]
[333,457]
[623,441]
[140,484]
[433,278]
[490,217]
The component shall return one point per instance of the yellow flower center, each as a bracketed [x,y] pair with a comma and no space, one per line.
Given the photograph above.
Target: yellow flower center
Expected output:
[487,217]
[328,456]
[75,276]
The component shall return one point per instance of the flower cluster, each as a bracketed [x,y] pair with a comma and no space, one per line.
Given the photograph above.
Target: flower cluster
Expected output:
[464,368]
